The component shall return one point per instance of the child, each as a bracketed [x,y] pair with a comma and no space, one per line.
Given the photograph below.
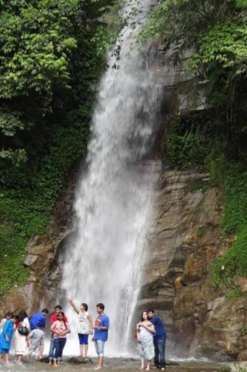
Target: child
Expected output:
[36,338]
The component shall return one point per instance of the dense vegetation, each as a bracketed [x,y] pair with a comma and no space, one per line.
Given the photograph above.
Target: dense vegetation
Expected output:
[51,59]
[52,54]
[215,32]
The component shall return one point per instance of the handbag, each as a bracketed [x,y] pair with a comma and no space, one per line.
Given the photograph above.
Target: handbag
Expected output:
[23,330]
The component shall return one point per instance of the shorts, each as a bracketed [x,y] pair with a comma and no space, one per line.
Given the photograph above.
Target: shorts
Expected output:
[99,347]
[83,339]
[6,351]
[34,349]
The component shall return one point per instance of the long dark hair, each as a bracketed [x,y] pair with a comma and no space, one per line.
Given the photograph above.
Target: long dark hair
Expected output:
[9,314]
[22,315]
[62,313]
[85,306]
[142,315]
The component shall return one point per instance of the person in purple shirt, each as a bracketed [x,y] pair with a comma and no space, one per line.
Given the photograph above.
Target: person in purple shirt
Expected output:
[38,318]
[101,327]
[159,339]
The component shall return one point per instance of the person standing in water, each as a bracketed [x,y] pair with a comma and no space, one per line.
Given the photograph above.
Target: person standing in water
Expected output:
[60,328]
[84,326]
[6,317]
[101,328]
[20,340]
[38,318]
[159,340]
[53,318]
[36,341]
[6,337]
[145,336]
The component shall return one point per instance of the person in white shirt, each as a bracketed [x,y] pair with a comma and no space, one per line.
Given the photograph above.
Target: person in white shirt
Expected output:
[84,326]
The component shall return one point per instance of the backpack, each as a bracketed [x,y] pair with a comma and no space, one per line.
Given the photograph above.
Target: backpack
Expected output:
[23,330]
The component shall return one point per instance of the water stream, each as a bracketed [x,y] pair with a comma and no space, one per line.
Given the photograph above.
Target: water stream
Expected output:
[113,199]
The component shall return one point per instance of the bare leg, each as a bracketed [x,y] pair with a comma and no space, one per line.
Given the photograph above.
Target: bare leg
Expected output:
[6,356]
[148,366]
[85,350]
[81,351]
[18,359]
[41,350]
[100,363]
[55,363]
[142,363]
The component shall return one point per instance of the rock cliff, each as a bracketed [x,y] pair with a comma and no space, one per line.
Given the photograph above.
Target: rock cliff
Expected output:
[184,241]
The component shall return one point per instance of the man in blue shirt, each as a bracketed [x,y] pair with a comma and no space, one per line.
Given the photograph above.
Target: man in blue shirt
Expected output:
[159,340]
[38,318]
[101,327]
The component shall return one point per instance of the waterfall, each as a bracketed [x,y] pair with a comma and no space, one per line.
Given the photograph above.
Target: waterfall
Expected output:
[113,198]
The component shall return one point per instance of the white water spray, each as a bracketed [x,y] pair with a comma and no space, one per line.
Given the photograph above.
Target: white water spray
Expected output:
[113,199]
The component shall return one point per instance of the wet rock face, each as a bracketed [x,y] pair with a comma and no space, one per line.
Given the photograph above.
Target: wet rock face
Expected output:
[44,258]
[184,239]
[183,243]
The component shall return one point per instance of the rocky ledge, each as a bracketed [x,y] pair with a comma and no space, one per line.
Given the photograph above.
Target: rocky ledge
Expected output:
[185,239]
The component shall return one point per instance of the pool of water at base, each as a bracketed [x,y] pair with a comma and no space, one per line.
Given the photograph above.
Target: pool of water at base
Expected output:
[111,364]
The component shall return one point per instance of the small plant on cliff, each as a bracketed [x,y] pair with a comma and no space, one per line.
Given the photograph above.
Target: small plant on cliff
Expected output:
[186,143]
[225,369]
[201,231]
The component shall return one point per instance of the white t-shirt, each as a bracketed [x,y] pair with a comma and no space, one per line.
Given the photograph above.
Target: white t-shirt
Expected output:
[83,326]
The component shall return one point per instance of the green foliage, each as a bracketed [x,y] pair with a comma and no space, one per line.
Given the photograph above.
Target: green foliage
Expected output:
[49,73]
[235,213]
[232,264]
[16,157]
[185,143]
[180,22]
[223,45]
[10,123]
[186,149]
[38,55]
[201,231]
[225,369]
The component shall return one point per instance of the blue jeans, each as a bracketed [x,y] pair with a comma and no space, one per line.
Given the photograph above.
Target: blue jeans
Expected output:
[99,347]
[159,349]
[51,351]
[59,344]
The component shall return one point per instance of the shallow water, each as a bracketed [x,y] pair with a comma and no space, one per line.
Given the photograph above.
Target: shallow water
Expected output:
[112,364]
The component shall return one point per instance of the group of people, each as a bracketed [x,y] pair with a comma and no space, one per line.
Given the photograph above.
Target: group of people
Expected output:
[27,339]
[151,337]
[28,335]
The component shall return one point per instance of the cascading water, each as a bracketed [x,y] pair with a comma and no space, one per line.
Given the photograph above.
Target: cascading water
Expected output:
[112,203]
